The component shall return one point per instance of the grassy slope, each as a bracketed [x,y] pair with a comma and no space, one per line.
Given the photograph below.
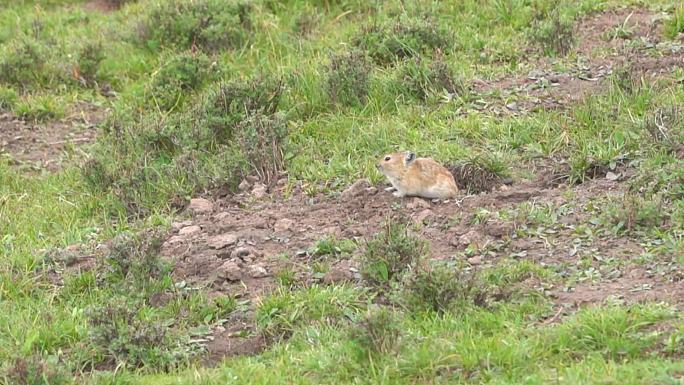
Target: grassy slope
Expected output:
[334,146]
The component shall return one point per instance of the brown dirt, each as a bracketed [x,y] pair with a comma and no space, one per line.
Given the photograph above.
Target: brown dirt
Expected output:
[42,145]
[597,54]
[275,233]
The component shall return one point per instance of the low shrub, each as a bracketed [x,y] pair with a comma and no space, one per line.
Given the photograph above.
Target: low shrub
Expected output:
[347,78]
[177,77]
[387,43]
[391,252]
[422,79]
[211,25]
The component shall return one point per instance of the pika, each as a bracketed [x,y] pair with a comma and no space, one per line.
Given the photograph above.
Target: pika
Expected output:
[421,177]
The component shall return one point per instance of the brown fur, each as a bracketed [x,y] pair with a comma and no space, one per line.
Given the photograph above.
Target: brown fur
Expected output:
[422,177]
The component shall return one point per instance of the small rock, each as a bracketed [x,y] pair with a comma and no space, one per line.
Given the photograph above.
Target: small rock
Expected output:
[418,203]
[175,226]
[466,239]
[338,274]
[476,260]
[257,271]
[252,178]
[281,182]
[221,216]
[332,230]
[498,230]
[230,270]
[422,216]
[200,206]
[175,239]
[283,225]
[612,176]
[221,241]
[355,190]
[259,190]
[240,252]
[244,185]
[371,191]
[189,230]
[160,299]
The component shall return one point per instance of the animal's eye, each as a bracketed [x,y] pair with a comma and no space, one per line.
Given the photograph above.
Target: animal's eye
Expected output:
[387,158]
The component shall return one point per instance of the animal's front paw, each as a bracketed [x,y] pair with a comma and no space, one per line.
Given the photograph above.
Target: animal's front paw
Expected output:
[398,194]
[390,188]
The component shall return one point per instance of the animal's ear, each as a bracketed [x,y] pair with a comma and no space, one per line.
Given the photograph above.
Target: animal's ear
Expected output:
[410,157]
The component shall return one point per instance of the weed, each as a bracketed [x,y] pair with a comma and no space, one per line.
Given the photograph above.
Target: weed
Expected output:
[230,103]
[509,11]
[386,44]
[307,22]
[635,212]
[212,25]
[181,74]
[87,64]
[8,98]
[391,252]
[441,287]
[675,24]
[116,4]
[286,277]
[232,127]
[35,371]
[666,181]
[96,175]
[217,309]
[333,247]
[626,79]
[480,174]
[665,125]
[279,314]
[119,335]
[128,254]
[24,65]
[622,31]
[347,78]
[588,167]
[613,331]
[379,331]
[124,330]
[422,80]
[553,33]
[262,139]
[40,108]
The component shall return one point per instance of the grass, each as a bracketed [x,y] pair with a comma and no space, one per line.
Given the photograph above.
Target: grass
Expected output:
[207,93]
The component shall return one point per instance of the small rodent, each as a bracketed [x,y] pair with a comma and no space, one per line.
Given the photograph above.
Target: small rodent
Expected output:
[420,177]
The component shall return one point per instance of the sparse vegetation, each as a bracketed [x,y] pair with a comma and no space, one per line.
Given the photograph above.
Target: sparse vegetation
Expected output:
[88,62]
[391,252]
[442,288]
[408,37]
[675,24]
[347,78]
[180,75]
[379,331]
[8,97]
[208,24]
[553,32]
[422,80]
[568,275]
[23,65]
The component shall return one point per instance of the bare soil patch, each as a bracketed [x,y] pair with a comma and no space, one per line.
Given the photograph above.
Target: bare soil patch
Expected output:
[41,145]
[239,244]
[628,38]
